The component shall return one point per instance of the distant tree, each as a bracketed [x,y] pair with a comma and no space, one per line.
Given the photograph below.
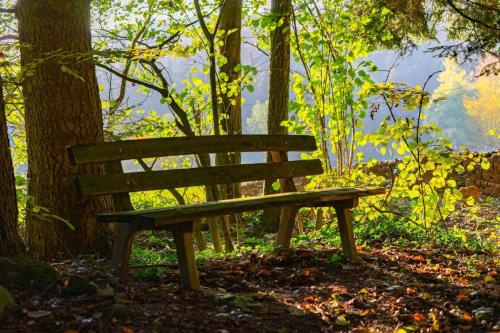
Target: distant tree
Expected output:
[62,108]
[257,121]
[449,113]
[484,107]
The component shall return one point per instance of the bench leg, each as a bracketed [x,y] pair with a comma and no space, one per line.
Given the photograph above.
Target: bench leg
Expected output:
[183,237]
[122,248]
[344,218]
[287,221]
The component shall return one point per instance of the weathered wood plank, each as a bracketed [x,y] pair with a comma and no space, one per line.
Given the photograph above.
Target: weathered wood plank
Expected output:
[188,212]
[183,238]
[145,181]
[158,147]
[344,219]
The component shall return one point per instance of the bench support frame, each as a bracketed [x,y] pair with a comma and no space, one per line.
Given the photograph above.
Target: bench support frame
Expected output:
[183,238]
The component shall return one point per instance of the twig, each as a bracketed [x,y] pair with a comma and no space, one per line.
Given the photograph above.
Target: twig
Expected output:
[7,10]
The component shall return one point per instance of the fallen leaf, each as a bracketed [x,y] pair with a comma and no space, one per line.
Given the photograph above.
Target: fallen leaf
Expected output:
[364,291]
[264,272]
[368,312]
[311,299]
[307,307]
[126,329]
[418,258]
[467,316]
[418,316]
[310,271]
[410,291]
[341,321]
[489,279]
[360,330]
[462,295]
[425,295]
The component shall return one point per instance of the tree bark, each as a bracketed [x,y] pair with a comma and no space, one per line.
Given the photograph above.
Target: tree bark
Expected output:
[279,82]
[62,109]
[10,242]
[230,24]
[230,112]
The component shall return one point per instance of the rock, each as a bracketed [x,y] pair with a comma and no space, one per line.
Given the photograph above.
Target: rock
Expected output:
[76,285]
[5,299]
[21,272]
[38,314]
[118,311]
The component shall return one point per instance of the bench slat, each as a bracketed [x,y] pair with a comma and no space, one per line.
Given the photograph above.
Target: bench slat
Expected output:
[152,217]
[155,180]
[158,147]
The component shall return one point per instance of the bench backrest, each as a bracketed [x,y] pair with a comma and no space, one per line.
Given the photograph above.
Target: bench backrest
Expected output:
[119,182]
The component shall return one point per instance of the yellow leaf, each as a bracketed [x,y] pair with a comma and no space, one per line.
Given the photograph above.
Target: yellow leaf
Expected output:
[489,279]
[425,295]
[341,321]
[364,291]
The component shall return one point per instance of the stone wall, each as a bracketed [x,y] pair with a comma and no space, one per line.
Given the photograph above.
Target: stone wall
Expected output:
[487,181]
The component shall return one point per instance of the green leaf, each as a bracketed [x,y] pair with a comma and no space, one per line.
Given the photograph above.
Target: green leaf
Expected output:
[72,72]
[451,183]
[485,164]
[276,185]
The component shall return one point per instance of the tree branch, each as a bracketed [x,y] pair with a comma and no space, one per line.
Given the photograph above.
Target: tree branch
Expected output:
[162,91]
[7,10]
[8,37]
[468,17]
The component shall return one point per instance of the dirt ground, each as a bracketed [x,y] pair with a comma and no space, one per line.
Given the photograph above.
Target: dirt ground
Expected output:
[394,290]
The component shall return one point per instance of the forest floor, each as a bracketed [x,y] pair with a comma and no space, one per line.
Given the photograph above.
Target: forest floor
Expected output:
[400,288]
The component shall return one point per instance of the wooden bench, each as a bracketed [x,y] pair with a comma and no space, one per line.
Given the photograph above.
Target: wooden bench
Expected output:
[180,219]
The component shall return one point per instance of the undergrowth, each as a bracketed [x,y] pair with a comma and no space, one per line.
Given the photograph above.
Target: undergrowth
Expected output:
[456,237]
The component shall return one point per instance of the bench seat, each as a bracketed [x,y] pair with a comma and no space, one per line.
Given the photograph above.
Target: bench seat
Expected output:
[148,218]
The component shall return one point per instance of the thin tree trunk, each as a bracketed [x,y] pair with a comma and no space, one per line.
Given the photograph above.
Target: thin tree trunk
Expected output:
[62,109]
[10,242]
[230,112]
[279,82]
[230,24]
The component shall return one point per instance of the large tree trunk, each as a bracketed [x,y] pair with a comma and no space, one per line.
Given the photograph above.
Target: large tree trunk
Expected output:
[10,242]
[279,82]
[62,109]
